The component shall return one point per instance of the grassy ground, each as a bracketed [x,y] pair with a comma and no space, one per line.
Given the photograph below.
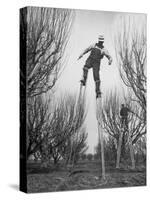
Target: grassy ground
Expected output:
[85,175]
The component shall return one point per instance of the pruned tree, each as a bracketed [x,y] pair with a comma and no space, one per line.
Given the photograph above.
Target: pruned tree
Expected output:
[111,121]
[89,156]
[140,150]
[76,146]
[38,116]
[130,43]
[109,150]
[79,144]
[83,156]
[68,124]
[96,156]
[47,32]
[65,123]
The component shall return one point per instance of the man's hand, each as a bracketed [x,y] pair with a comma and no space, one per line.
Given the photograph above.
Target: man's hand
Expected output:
[110,61]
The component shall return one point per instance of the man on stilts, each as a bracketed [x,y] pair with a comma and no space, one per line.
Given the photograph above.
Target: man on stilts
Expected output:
[97,52]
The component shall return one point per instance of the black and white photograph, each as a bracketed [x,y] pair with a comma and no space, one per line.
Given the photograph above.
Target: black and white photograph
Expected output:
[83,99]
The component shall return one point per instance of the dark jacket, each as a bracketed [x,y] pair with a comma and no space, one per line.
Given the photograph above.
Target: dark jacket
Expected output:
[124,112]
[97,53]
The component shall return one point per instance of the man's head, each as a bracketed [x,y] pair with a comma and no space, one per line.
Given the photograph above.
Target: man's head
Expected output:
[122,105]
[101,39]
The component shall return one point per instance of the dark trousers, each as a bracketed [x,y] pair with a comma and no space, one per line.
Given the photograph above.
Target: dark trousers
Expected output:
[124,121]
[95,65]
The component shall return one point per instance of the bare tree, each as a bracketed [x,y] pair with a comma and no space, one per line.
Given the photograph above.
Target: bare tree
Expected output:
[111,121]
[79,145]
[89,156]
[131,56]
[47,31]
[68,121]
[109,149]
[140,149]
[83,156]
[65,123]
[44,33]
[75,147]
[37,123]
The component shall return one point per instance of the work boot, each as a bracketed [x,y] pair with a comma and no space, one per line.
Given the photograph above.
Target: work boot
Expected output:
[85,73]
[83,82]
[97,88]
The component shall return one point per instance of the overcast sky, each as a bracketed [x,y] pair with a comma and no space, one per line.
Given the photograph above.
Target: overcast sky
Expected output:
[86,28]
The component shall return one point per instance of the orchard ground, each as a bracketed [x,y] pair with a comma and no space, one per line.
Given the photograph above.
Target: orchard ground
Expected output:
[84,175]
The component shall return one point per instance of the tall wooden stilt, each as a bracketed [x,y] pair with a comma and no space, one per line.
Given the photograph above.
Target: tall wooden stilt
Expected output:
[131,152]
[100,136]
[130,147]
[119,150]
[81,95]
[72,138]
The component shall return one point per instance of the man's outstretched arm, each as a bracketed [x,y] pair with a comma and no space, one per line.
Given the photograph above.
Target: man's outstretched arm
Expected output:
[86,51]
[108,56]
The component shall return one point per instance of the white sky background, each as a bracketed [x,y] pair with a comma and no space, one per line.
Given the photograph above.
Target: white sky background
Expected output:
[86,28]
